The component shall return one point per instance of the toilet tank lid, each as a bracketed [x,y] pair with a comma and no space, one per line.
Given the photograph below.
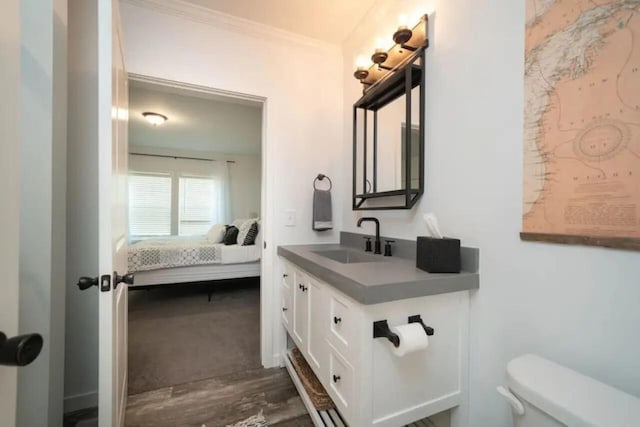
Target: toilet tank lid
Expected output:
[569,396]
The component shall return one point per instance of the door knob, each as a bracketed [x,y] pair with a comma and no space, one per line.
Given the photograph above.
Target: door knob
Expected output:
[87,282]
[20,350]
[127,279]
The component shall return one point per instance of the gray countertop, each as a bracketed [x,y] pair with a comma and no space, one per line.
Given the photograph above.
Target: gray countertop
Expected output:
[389,279]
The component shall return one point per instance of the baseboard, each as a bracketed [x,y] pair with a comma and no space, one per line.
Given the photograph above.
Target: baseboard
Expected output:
[278,360]
[80,401]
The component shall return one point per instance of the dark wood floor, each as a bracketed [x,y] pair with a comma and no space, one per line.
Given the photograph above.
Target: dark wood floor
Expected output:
[221,401]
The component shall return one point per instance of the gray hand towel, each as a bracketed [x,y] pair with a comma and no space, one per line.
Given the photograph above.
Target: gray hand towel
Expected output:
[322,212]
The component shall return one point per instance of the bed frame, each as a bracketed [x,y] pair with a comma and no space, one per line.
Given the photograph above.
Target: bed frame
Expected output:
[196,273]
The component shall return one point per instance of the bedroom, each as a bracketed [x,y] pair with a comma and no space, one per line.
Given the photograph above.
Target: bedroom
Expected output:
[194,190]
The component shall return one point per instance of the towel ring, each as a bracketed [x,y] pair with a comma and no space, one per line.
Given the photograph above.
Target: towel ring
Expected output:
[321,177]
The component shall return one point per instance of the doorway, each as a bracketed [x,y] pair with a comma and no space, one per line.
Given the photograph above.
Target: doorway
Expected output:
[194,180]
[194,322]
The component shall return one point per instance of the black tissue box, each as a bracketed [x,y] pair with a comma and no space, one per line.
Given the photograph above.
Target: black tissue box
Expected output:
[438,255]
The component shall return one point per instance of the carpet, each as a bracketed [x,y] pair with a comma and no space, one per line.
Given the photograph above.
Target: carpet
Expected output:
[177,337]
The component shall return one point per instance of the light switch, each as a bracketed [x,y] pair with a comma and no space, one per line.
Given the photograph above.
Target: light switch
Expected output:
[290,218]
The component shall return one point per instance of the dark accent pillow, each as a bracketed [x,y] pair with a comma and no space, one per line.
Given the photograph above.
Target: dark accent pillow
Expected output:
[251,235]
[231,235]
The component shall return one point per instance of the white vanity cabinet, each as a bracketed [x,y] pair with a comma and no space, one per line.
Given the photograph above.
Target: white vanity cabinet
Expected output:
[369,384]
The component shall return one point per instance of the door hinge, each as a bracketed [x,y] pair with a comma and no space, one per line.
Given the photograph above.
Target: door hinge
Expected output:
[105,283]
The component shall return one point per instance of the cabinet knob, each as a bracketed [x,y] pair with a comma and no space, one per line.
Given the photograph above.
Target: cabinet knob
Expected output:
[303,287]
[336,378]
[337,320]
[284,309]
[285,275]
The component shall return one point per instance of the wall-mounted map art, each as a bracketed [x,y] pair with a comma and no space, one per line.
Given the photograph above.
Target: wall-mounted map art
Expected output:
[582,122]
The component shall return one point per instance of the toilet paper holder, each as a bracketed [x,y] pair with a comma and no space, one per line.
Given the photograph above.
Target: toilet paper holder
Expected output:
[381,329]
[417,319]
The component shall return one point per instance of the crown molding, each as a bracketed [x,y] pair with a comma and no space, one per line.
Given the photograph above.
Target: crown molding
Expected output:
[184,10]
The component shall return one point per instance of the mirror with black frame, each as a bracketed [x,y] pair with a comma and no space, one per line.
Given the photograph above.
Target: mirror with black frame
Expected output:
[388,142]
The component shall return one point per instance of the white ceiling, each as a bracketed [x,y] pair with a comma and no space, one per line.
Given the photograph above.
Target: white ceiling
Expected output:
[198,122]
[328,20]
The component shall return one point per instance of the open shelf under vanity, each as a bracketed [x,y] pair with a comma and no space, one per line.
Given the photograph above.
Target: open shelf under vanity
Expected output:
[330,418]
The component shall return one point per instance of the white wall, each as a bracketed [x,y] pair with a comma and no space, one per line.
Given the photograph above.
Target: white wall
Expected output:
[245,174]
[576,305]
[42,208]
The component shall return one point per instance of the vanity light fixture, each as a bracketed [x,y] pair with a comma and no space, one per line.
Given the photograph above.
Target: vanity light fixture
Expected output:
[155,119]
[408,43]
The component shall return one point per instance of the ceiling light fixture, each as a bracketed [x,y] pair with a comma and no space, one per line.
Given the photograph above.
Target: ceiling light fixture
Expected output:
[154,118]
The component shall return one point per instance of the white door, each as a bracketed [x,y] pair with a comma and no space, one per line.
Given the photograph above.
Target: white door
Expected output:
[113,201]
[9,194]
[99,114]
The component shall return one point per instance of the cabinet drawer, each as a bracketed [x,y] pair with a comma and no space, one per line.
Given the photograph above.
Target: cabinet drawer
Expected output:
[341,382]
[342,324]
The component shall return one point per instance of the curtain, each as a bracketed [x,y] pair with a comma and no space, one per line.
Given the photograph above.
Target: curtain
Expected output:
[222,198]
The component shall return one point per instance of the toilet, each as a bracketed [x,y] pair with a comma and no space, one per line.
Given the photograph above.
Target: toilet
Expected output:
[544,394]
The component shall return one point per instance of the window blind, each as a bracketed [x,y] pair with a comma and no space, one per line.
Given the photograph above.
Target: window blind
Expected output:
[149,205]
[196,208]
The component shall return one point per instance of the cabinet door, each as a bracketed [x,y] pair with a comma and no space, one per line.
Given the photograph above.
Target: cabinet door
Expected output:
[300,309]
[288,273]
[318,327]
[341,384]
[286,306]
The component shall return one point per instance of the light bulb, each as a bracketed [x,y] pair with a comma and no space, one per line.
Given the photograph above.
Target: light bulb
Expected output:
[381,45]
[362,62]
[403,21]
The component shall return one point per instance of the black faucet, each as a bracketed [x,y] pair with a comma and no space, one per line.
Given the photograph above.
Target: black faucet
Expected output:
[378,248]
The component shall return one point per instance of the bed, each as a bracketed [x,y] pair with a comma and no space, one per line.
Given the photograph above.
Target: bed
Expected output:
[179,259]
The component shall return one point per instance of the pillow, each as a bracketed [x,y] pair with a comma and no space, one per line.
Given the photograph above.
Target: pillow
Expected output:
[239,222]
[243,229]
[250,238]
[231,235]
[216,233]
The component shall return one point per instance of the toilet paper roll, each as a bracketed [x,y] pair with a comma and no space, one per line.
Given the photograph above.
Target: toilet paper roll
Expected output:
[412,338]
